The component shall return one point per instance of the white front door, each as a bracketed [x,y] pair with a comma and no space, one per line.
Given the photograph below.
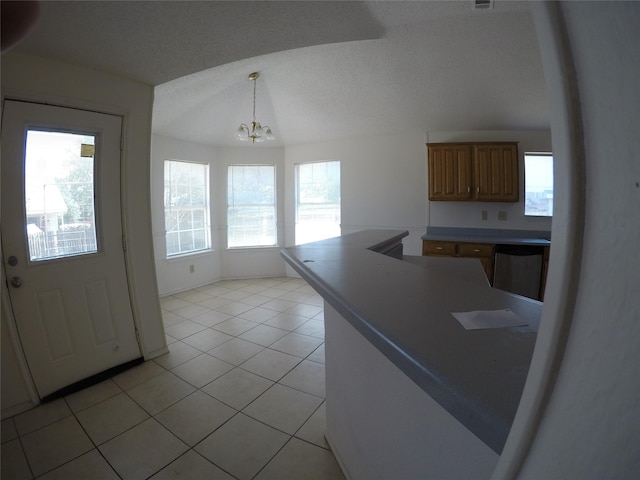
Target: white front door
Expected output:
[63,243]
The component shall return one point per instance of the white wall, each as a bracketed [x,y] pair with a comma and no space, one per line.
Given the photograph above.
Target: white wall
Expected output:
[468,214]
[383,186]
[578,417]
[174,275]
[37,79]
[383,183]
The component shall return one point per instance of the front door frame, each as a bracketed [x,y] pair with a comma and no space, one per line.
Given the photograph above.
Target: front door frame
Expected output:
[7,308]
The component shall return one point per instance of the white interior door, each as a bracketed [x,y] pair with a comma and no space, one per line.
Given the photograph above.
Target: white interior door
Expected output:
[63,243]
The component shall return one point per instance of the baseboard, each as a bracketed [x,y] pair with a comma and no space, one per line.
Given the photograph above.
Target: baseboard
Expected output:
[341,464]
[16,409]
[156,353]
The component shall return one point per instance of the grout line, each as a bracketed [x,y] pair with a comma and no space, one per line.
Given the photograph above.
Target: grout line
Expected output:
[300,359]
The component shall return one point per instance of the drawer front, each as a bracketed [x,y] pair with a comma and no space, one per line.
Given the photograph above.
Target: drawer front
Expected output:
[438,248]
[475,250]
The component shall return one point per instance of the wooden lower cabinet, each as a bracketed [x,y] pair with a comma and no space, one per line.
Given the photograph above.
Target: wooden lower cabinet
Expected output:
[485,252]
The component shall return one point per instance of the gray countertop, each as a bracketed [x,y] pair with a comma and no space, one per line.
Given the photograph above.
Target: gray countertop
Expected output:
[489,235]
[404,309]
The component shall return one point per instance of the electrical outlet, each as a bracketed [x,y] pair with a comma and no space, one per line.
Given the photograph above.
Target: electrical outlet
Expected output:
[484,215]
[192,269]
[502,215]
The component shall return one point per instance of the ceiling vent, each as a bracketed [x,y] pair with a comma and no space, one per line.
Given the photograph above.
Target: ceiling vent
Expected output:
[482,4]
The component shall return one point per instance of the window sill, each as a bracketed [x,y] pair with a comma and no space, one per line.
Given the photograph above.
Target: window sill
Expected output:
[190,255]
[244,249]
[538,218]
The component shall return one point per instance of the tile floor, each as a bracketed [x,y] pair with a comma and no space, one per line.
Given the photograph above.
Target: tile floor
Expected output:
[240,395]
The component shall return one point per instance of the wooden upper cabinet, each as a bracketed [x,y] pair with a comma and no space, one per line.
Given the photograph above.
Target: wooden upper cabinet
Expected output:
[496,172]
[450,172]
[486,172]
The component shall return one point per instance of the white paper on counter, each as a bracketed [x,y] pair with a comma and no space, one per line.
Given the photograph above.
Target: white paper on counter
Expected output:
[479,319]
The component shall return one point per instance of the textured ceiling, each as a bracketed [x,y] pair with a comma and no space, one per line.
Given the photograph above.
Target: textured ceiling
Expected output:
[329,70]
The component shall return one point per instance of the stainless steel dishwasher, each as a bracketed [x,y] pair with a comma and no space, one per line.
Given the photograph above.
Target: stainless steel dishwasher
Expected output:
[518,269]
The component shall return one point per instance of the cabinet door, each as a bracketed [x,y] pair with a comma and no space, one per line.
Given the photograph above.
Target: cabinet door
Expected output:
[431,247]
[449,172]
[496,172]
[483,251]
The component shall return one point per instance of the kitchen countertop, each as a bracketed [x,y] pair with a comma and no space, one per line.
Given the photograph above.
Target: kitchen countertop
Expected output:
[489,235]
[404,309]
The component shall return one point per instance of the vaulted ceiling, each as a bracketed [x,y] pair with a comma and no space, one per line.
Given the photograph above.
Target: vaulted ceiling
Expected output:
[328,70]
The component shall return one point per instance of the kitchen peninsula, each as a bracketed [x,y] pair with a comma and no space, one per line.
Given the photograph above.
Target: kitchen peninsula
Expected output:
[411,393]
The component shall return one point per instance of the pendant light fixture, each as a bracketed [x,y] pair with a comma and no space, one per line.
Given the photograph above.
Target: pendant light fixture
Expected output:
[254,132]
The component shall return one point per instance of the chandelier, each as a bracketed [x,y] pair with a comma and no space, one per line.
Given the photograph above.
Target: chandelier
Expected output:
[255,132]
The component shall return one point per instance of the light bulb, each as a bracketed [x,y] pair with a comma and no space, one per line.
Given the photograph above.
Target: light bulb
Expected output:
[269,134]
[241,133]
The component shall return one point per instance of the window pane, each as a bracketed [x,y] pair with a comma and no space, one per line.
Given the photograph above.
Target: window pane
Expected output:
[185,222]
[197,217]
[171,221]
[251,206]
[173,244]
[186,241]
[186,207]
[199,239]
[59,194]
[317,201]
[538,184]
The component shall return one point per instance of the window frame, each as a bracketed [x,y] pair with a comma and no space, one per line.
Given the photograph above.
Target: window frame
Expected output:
[206,213]
[236,205]
[524,206]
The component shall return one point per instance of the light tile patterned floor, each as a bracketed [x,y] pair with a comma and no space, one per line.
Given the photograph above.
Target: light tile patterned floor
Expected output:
[240,395]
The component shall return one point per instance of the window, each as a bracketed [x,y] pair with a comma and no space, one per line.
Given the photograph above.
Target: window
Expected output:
[317,201]
[186,207]
[59,194]
[538,184]
[251,206]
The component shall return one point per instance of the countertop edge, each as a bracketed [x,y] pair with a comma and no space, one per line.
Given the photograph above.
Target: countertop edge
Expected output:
[485,422]
[484,235]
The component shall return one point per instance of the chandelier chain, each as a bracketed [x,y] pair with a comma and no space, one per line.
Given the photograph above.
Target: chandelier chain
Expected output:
[254,99]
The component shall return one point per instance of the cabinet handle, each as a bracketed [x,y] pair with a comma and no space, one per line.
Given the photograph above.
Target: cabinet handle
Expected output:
[439,248]
[478,190]
[468,189]
[477,250]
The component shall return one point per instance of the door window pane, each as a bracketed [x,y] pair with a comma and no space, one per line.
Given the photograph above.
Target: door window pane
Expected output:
[317,201]
[186,207]
[251,206]
[59,194]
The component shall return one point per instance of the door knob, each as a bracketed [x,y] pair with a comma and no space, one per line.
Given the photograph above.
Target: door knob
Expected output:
[16,282]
